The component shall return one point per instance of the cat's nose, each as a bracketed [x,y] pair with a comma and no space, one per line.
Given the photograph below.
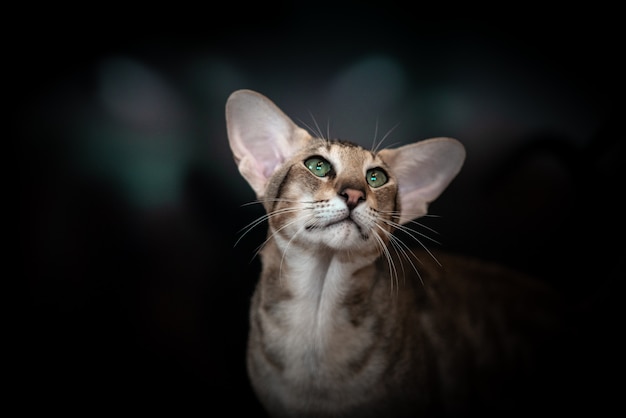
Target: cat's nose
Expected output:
[352,196]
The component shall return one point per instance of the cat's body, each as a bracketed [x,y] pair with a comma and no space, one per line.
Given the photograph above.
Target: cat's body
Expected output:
[348,321]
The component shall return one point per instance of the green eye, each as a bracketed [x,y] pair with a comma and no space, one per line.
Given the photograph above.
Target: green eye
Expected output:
[376,177]
[318,166]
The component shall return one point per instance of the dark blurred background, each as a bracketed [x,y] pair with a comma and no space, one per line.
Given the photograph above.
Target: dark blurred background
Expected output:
[130,203]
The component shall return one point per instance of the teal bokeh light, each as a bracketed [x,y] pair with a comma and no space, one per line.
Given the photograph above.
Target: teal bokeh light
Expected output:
[138,137]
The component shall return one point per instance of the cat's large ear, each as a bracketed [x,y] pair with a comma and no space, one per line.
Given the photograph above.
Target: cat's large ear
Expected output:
[261,136]
[423,169]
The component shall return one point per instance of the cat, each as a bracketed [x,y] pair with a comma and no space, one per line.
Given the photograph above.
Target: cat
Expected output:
[347,319]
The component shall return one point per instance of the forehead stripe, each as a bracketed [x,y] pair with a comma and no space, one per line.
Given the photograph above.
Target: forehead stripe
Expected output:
[279,190]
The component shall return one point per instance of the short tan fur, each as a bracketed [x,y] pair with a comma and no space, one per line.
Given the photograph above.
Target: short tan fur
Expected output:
[346,319]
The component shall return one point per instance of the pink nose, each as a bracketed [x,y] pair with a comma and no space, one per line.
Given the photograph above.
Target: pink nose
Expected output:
[353,197]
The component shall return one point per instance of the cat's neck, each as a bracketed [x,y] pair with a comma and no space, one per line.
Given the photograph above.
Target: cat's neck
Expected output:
[321,280]
[315,272]
[317,309]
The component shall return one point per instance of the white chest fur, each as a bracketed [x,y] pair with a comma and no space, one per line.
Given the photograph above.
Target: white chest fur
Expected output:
[314,334]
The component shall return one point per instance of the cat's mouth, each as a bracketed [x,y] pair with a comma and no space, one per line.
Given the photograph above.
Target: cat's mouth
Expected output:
[345,221]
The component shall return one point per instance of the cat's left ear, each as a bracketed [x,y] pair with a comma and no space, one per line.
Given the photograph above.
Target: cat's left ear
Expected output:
[423,169]
[261,137]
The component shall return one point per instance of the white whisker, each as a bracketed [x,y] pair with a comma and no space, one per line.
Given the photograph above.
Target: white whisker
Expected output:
[274,232]
[393,272]
[409,231]
[328,129]
[316,130]
[246,229]
[406,251]
[374,146]
[377,146]
[414,234]
[402,250]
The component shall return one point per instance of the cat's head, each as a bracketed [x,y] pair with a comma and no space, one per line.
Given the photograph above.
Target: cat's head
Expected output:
[333,193]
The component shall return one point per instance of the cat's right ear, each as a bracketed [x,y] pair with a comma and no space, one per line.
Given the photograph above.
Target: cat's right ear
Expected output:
[261,137]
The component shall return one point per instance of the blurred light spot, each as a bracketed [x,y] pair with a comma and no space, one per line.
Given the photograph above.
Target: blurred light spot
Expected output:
[212,79]
[142,142]
[137,96]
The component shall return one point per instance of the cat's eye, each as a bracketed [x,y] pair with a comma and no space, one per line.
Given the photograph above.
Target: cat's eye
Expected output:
[376,177]
[318,166]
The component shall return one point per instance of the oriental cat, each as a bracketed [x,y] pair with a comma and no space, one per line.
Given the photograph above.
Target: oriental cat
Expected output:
[347,320]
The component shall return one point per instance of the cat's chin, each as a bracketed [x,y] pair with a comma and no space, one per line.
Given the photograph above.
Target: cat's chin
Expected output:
[341,235]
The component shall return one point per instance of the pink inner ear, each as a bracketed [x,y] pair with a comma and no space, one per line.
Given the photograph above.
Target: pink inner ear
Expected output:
[268,169]
[268,157]
[424,169]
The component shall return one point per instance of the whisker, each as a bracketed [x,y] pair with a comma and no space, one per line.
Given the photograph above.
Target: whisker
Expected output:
[328,129]
[316,130]
[254,202]
[374,146]
[393,272]
[416,222]
[412,234]
[407,253]
[246,229]
[410,231]
[274,232]
[266,200]
[378,146]
[311,129]
[402,250]
[266,217]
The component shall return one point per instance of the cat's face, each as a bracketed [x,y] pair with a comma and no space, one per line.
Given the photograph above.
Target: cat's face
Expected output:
[321,193]
[335,195]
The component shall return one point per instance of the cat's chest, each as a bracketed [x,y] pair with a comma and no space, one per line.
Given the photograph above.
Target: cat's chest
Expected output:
[317,348]
[324,325]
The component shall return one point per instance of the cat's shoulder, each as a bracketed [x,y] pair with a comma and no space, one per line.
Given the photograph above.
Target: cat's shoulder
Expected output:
[473,279]
[469,268]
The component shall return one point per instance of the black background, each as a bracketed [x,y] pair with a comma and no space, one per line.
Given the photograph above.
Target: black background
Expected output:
[130,205]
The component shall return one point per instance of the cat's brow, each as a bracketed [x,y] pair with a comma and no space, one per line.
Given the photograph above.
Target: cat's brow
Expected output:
[349,145]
